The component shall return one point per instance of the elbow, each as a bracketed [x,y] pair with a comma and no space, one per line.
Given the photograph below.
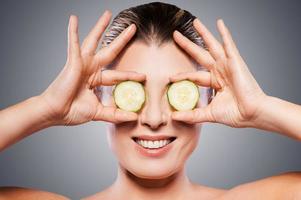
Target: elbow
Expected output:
[298,137]
[1,147]
[293,135]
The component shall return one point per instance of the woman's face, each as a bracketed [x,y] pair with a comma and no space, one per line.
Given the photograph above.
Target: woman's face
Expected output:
[154,119]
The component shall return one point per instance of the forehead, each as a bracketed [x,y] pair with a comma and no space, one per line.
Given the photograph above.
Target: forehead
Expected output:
[158,63]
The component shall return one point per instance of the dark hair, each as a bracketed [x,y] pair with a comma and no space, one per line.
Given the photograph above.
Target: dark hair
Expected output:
[155,23]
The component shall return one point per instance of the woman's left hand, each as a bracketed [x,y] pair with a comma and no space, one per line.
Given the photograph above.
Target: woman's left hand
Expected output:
[238,98]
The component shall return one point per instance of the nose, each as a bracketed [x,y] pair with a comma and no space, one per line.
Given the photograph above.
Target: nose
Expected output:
[154,113]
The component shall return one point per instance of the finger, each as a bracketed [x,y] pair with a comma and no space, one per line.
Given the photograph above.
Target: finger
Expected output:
[112,77]
[197,115]
[199,77]
[90,43]
[73,39]
[113,114]
[202,56]
[107,54]
[229,44]
[215,48]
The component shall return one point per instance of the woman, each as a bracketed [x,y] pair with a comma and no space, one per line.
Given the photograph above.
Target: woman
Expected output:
[155,44]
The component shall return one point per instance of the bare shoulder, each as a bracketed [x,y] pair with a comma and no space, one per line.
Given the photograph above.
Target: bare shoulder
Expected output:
[102,195]
[19,193]
[204,192]
[282,186]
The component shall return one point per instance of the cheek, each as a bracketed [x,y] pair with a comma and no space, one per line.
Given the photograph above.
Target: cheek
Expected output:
[188,144]
[192,143]
[119,139]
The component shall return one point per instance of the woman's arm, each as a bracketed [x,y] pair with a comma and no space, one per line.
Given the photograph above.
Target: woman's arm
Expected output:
[279,116]
[70,99]
[22,119]
[239,101]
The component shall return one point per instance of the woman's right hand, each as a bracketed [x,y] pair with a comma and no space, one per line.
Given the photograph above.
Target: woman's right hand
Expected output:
[70,98]
[239,99]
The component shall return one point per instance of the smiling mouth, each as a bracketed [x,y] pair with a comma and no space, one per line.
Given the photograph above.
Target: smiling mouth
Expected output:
[154,144]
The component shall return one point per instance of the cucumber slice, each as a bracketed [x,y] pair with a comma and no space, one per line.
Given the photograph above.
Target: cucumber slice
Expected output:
[183,95]
[129,95]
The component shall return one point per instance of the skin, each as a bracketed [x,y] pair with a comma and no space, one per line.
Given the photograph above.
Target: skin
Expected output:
[70,100]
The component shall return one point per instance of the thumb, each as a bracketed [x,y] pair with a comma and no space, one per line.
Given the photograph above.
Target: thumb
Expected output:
[113,114]
[197,115]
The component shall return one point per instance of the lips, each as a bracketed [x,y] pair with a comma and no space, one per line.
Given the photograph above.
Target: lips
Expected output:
[153,146]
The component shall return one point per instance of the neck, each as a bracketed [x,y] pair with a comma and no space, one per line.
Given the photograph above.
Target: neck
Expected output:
[132,187]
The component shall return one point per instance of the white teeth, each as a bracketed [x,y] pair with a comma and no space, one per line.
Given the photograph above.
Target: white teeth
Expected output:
[153,144]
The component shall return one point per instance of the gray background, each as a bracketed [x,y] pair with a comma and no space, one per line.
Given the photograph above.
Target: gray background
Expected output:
[76,161]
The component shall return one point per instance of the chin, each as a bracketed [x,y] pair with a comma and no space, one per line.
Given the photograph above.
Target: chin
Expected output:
[153,171]
[153,167]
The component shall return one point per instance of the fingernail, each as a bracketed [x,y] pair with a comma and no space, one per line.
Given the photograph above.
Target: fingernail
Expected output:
[197,20]
[128,29]
[176,115]
[222,21]
[106,12]
[71,16]
[132,117]
[129,116]
[172,79]
[177,32]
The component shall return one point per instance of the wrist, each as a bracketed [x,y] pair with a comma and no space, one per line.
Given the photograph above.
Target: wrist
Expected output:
[47,119]
[263,119]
